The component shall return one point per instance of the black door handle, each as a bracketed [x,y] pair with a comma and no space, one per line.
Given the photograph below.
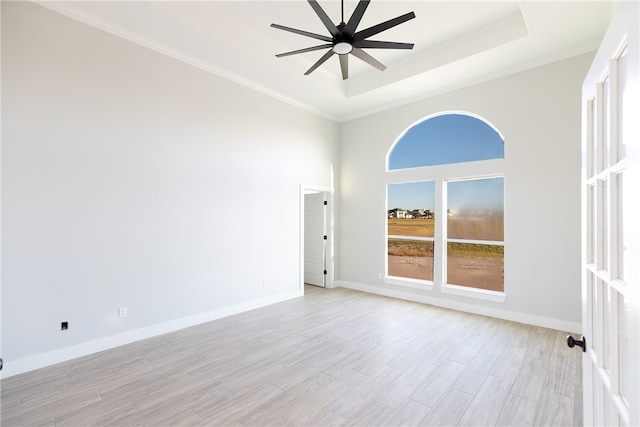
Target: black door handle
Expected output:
[571,342]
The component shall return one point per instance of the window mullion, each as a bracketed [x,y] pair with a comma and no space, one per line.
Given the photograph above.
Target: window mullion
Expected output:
[440,230]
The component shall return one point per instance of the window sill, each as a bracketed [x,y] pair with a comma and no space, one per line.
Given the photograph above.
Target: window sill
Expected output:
[466,291]
[409,283]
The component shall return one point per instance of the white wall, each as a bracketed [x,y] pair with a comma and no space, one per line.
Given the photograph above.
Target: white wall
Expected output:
[538,113]
[131,179]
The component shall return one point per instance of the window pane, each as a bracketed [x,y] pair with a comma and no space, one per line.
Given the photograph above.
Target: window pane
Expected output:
[410,227]
[624,254]
[606,120]
[605,288]
[591,302]
[412,259]
[603,225]
[625,110]
[411,209]
[590,224]
[475,212]
[475,265]
[445,139]
[591,135]
[625,319]
[475,209]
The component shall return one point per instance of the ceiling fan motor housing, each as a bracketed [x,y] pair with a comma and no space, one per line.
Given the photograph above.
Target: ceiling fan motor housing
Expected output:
[344,44]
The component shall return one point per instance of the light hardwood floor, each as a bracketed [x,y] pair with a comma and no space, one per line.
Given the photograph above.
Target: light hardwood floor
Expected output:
[333,357]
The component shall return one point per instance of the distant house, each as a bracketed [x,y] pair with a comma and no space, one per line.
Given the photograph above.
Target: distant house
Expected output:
[407,214]
[400,213]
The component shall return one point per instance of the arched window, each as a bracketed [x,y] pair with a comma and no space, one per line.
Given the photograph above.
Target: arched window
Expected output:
[445,206]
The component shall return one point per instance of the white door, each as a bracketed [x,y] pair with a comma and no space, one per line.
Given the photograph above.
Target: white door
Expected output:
[314,239]
[610,231]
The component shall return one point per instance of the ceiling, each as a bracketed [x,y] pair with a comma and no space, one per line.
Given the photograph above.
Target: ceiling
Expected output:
[457,43]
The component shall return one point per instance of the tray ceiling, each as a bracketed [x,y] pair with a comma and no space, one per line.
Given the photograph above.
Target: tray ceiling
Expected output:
[457,43]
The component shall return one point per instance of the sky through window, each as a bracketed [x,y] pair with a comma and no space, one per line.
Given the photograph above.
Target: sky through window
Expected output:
[445,139]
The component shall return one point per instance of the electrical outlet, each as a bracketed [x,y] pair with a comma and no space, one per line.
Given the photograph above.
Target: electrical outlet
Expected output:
[379,275]
[122,312]
[64,326]
[265,284]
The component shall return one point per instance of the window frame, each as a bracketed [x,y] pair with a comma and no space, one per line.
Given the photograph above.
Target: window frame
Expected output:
[441,174]
[453,289]
[399,280]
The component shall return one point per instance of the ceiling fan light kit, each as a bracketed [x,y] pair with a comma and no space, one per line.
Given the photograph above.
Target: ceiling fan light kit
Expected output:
[342,48]
[346,40]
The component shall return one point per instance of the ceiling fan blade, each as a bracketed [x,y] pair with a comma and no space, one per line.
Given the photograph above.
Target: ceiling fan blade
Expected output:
[344,66]
[368,32]
[376,44]
[321,61]
[307,49]
[361,54]
[356,16]
[333,30]
[303,33]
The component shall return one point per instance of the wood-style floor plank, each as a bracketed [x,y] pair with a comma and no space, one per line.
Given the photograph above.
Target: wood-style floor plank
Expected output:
[333,357]
[555,410]
[518,411]
[436,384]
[487,404]
[448,410]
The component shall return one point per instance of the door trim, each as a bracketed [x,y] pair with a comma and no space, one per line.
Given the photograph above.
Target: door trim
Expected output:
[305,189]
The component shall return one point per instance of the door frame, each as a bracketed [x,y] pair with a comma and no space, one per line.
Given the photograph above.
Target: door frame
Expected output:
[329,250]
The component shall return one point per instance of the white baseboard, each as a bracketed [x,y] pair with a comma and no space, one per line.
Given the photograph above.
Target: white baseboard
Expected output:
[30,363]
[530,319]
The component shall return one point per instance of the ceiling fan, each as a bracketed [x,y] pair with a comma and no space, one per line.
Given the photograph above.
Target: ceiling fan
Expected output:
[346,40]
